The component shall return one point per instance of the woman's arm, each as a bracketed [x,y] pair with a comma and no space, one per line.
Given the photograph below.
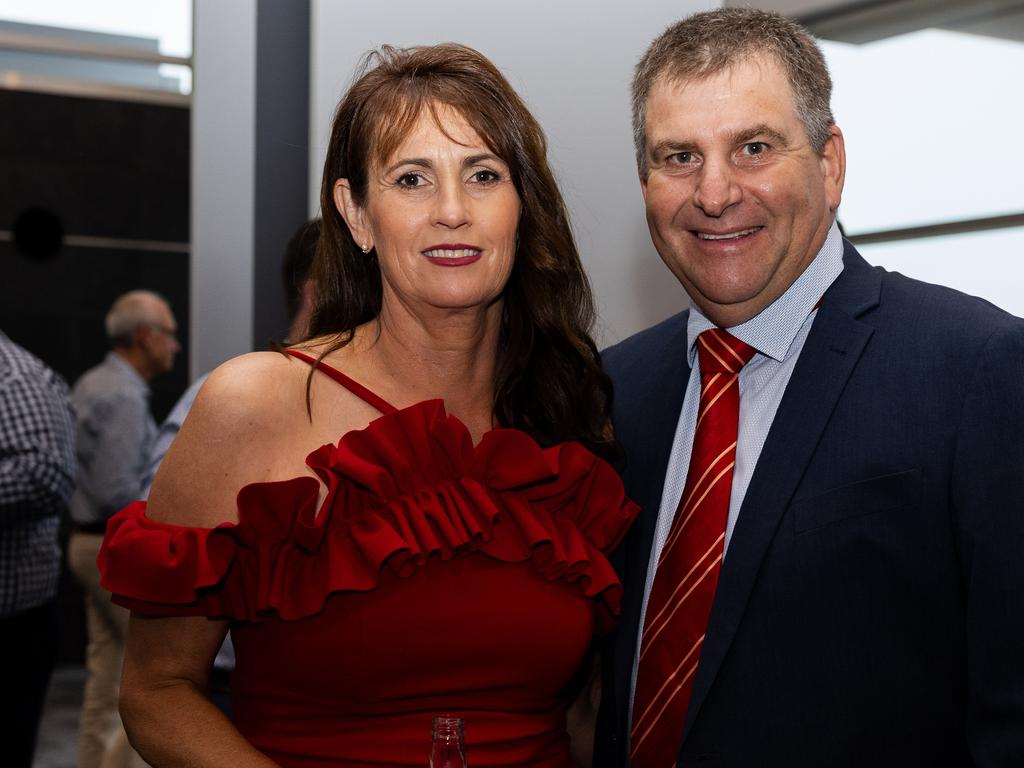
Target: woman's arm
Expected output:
[240,430]
[164,705]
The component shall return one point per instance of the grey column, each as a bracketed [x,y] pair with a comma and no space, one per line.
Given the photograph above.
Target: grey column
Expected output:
[282,152]
[250,120]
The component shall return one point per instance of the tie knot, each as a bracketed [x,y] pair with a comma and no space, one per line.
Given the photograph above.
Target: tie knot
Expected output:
[721,352]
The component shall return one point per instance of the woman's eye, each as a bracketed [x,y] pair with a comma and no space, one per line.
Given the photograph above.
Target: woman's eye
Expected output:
[410,180]
[486,176]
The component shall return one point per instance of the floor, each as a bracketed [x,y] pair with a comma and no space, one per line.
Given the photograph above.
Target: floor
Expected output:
[58,733]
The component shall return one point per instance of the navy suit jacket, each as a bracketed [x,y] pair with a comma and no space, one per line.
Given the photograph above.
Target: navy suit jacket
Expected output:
[870,609]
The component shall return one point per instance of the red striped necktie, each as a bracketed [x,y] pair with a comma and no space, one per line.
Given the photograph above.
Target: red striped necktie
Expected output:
[687,573]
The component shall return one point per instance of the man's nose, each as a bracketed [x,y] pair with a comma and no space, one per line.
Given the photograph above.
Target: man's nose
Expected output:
[717,189]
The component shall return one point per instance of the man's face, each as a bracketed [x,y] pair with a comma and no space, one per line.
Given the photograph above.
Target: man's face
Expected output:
[738,202]
[160,341]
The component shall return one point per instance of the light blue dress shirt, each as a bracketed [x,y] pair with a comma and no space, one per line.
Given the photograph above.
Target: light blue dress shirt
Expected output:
[114,431]
[168,431]
[778,334]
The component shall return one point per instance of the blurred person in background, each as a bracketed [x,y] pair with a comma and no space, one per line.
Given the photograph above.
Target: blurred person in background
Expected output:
[115,432]
[37,467]
[297,279]
[448,553]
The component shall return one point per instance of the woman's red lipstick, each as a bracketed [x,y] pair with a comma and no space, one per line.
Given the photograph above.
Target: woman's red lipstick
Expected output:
[452,254]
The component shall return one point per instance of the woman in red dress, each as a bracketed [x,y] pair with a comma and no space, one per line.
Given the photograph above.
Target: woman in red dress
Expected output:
[409,512]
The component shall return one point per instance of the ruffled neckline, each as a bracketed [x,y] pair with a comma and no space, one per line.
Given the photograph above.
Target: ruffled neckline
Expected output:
[409,487]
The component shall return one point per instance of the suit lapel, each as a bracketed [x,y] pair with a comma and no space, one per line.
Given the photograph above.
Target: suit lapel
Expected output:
[830,354]
[652,415]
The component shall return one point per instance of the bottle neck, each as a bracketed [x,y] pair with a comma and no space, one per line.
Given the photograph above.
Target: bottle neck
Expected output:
[447,750]
[451,735]
[448,728]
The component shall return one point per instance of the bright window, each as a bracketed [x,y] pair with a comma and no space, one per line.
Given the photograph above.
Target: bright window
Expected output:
[32,35]
[930,120]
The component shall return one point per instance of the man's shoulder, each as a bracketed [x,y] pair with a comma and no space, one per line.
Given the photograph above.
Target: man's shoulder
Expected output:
[666,337]
[105,389]
[16,362]
[106,378]
[648,370]
[942,314]
[92,378]
[915,307]
[15,358]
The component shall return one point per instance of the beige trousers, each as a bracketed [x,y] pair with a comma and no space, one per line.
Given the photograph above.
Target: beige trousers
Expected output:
[102,742]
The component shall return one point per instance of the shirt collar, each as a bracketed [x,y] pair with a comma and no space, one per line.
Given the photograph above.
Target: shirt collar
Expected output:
[116,361]
[773,330]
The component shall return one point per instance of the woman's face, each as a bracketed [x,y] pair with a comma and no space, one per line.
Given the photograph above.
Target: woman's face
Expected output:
[442,214]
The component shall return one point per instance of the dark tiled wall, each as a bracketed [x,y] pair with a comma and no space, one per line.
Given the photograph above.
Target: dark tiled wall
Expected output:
[106,169]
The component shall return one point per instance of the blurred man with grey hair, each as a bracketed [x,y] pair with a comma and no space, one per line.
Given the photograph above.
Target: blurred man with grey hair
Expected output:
[115,431]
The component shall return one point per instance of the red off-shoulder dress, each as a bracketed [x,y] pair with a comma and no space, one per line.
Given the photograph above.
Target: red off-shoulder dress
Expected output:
[436,577]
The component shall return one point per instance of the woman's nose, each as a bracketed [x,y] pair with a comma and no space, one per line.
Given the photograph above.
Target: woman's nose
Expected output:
[451,205]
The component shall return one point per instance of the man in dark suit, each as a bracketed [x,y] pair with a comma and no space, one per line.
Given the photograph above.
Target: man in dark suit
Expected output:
[829,566]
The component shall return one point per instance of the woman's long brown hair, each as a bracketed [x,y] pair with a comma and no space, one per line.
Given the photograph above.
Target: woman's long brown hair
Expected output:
[548,377]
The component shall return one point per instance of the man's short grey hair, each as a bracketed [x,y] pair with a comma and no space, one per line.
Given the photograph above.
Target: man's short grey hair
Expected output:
[131,311]
[707,43]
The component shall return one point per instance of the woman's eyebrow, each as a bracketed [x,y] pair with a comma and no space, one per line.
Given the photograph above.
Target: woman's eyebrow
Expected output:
[474,159]
[422,162]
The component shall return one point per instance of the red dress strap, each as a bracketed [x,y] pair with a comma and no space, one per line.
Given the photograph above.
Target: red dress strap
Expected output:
[354,387]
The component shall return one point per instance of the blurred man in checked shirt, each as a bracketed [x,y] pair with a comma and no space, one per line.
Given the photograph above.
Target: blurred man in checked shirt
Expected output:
[37,466]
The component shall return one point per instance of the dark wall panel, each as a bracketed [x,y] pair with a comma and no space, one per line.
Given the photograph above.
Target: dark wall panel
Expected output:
[107,169]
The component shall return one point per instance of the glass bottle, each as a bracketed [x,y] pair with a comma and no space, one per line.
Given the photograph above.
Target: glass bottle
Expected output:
[447,750]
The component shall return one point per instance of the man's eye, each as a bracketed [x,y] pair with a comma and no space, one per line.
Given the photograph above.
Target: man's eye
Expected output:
[681,158]
[755,148]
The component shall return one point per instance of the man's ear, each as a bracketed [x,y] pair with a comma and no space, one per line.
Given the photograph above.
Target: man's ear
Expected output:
[833,167]
[353,214]
[141,335]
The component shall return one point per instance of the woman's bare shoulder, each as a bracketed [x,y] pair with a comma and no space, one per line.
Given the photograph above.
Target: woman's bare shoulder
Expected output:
[256,386]
[243,418]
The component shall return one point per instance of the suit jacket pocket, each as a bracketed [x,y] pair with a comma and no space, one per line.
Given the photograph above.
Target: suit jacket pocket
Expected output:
[865,497]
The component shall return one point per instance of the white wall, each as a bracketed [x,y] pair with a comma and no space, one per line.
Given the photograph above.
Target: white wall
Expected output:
[572,62]
[791,7]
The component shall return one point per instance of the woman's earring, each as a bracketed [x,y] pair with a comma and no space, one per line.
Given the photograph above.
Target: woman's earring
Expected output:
[365,248]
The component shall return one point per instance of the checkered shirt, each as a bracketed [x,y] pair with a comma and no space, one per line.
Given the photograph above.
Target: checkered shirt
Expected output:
[37,465]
